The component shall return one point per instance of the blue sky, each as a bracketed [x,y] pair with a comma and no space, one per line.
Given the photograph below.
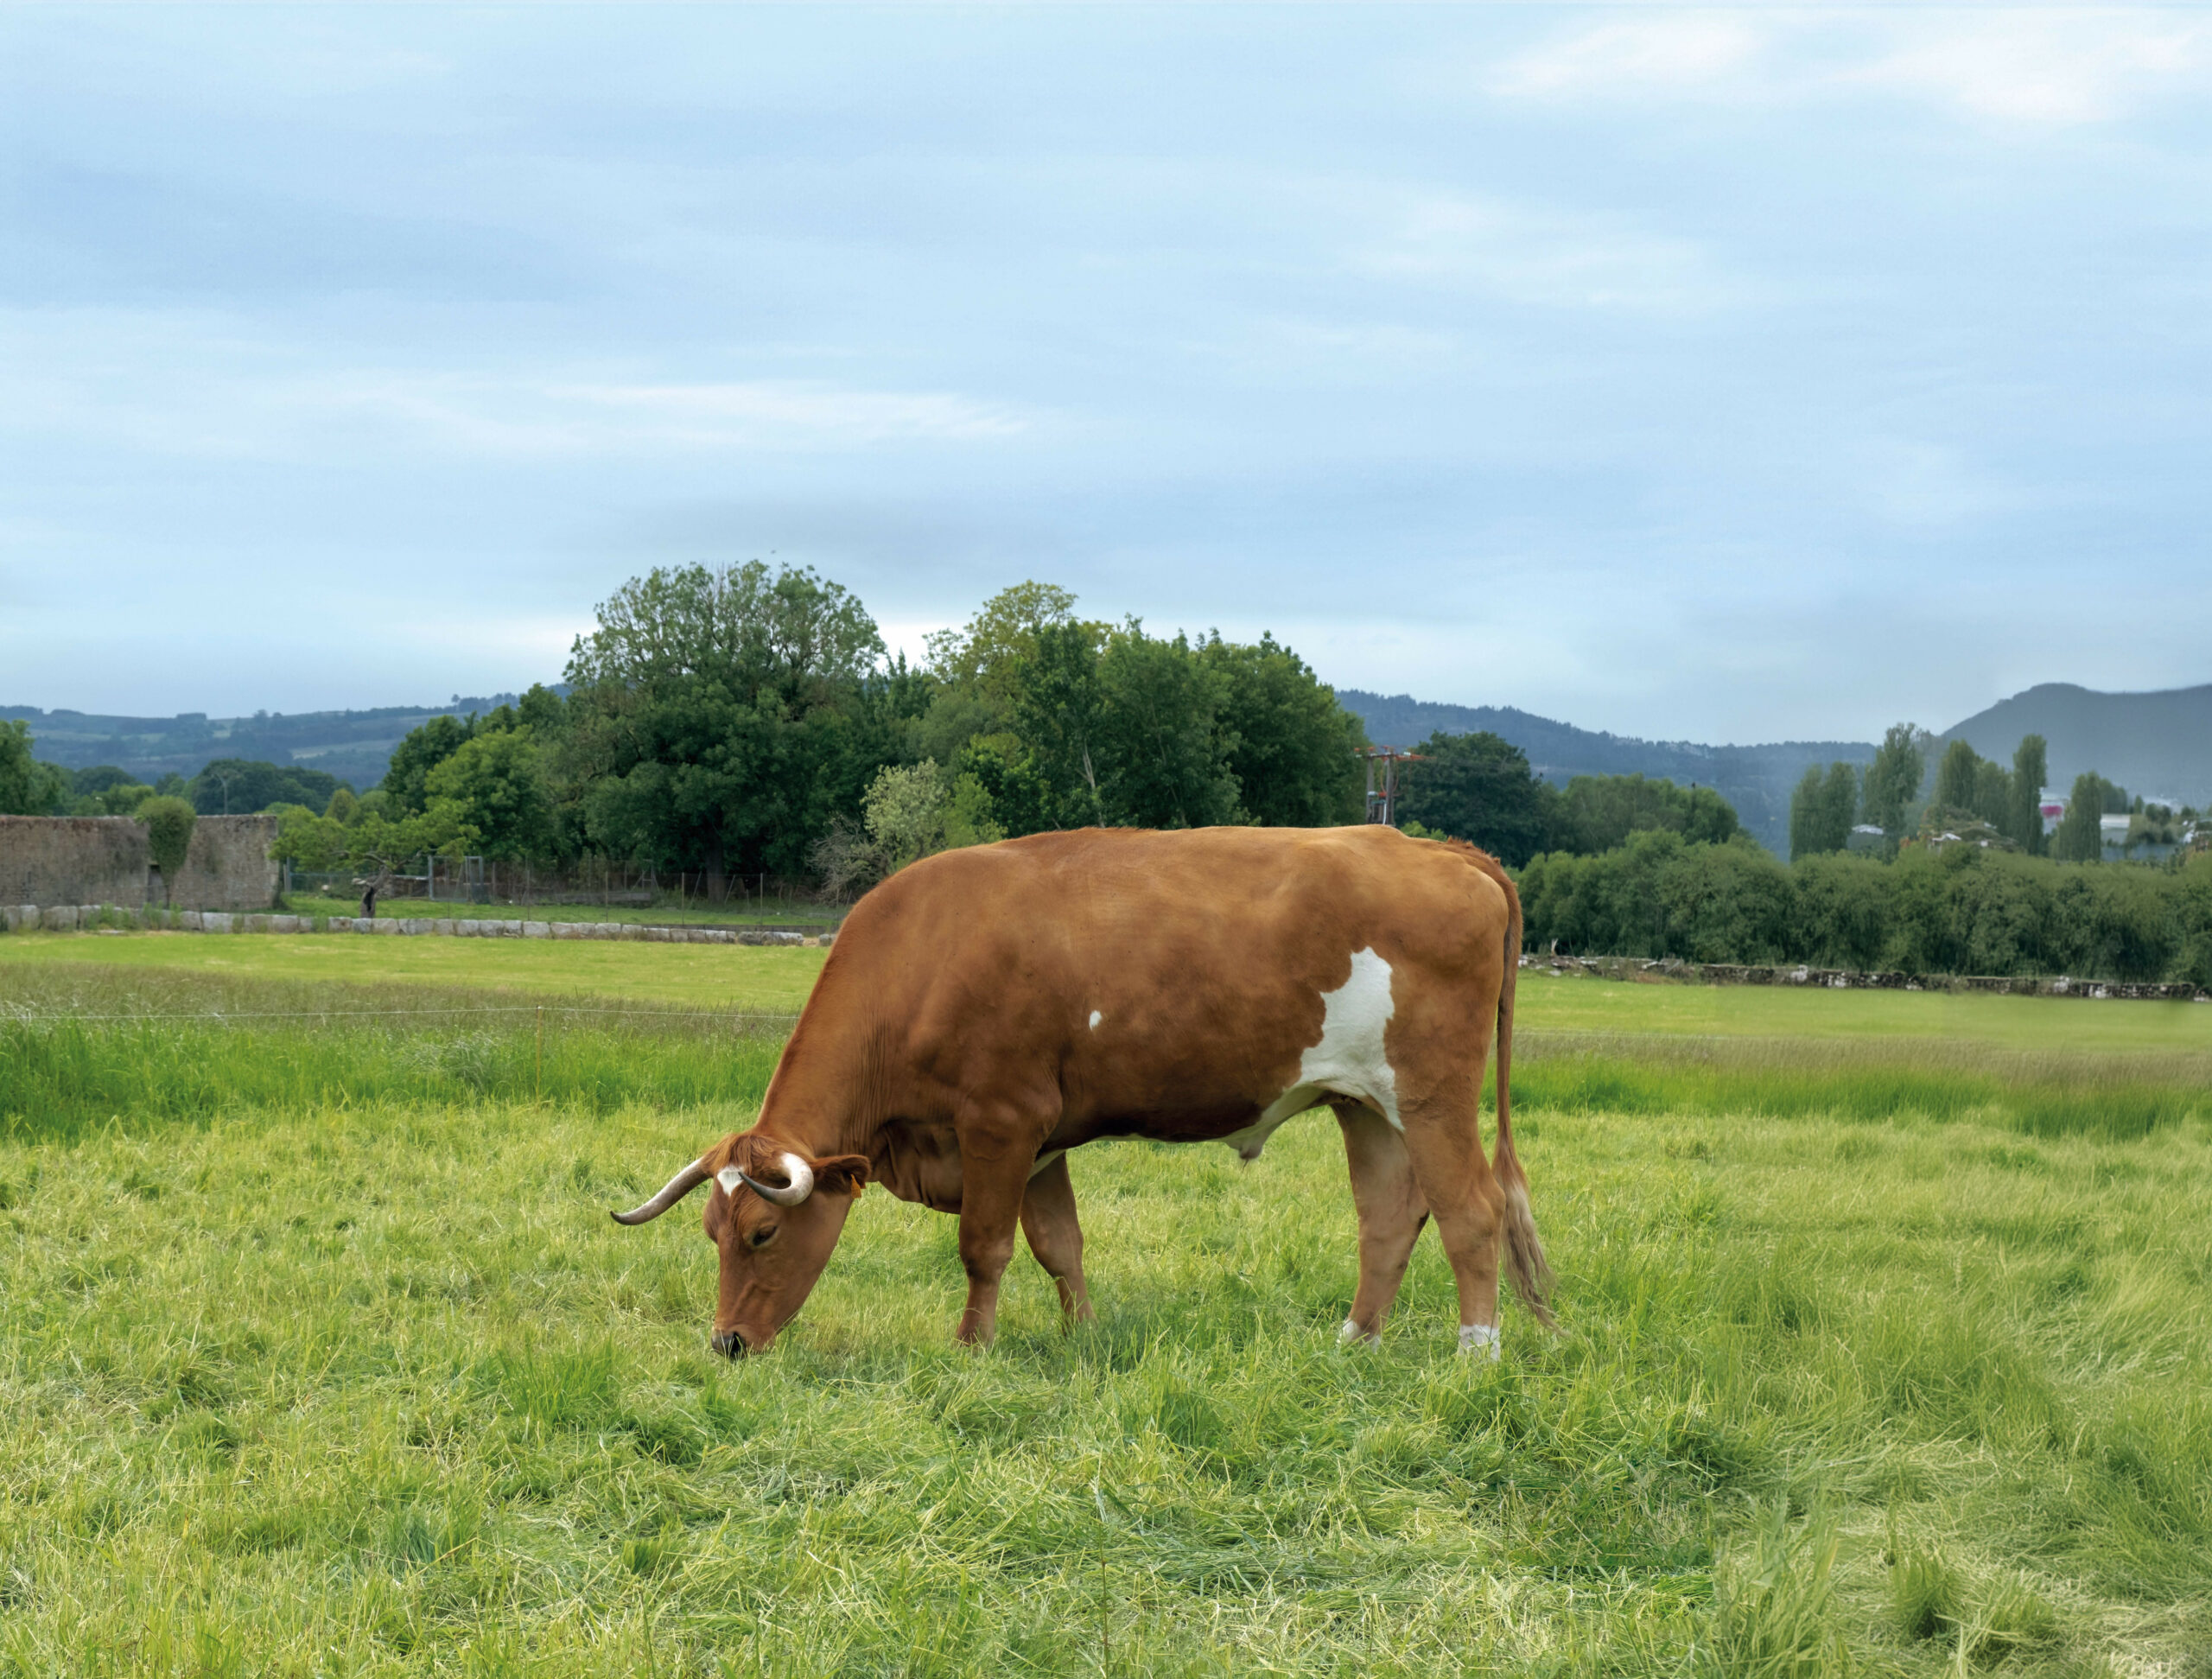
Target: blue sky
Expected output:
[1731,375]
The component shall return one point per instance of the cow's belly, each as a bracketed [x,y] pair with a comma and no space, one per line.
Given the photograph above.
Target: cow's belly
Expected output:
[1350,1063]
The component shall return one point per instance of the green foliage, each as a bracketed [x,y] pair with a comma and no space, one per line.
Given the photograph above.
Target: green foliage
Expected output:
[2031,767]
[721,717]
[1893,780]
[27,788]
[491,791]
[1597,812]
[1820,810]
[2080,836]
[1479,788]
[1289,746]
[1960,911]
[237,787]
[1957,779]
[1163,759]
[168,823]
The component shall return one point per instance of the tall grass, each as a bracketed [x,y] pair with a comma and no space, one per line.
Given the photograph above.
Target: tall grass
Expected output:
[369,1384]
[2041,1094]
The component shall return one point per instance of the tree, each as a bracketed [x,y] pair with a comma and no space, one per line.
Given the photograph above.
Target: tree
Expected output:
[1820,810]
[1479,788]
[1598,812]
[1893,780]
[491,794]
[2080,837]
[2030,764]
[720,717]
[424,748]
[240,787]
[1291,750]
[987,653]
[1956,779]
[168,822]
[1056,715]
[1165,758]
[27,788]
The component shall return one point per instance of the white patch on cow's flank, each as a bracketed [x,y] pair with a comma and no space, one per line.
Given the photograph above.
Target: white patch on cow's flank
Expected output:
[1349,1060]
[1095,1018]
[730,1178]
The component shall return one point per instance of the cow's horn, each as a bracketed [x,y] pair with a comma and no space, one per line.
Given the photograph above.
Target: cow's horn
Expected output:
[789,1195]
[674,1191]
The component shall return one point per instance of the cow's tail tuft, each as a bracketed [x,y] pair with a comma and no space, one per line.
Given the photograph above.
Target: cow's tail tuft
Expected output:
[1524,1253]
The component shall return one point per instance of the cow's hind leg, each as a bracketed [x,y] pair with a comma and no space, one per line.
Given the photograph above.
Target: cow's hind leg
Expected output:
[1444,1143]
[1048,1220]
[1391,1212]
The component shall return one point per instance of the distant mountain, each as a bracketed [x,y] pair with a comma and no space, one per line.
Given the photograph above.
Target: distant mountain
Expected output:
[2158,744]
[353,746]
[1757,780]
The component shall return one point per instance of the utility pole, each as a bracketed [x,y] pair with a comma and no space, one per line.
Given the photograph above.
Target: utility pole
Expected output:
[1382,781]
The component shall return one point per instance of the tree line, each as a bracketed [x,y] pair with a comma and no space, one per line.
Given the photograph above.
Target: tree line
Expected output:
[1960,910]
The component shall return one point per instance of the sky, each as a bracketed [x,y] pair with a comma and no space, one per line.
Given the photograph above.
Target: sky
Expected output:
[1731,375]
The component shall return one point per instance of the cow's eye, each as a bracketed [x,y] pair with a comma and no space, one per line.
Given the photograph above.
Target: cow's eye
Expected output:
[760,1237]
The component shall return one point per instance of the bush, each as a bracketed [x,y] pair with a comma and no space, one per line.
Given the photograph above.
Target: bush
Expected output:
[168,822]
[1961,910]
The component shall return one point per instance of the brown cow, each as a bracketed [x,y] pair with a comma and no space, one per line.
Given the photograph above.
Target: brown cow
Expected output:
[986,1010]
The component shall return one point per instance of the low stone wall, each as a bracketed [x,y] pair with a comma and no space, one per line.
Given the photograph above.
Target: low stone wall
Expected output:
[96,917]
[1845,979]
[103,860]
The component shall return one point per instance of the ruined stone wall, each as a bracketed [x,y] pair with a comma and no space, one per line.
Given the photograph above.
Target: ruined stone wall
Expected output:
[103,860]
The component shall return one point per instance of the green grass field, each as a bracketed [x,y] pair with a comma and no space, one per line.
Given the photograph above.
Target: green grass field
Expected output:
[779,912]
[1885,1351]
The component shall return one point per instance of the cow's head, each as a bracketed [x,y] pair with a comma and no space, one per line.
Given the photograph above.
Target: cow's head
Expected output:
[774,1214]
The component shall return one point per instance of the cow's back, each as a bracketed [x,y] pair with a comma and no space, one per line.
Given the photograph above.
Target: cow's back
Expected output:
[1162,982]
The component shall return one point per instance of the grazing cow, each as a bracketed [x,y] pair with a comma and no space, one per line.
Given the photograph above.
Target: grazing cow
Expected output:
[988,1009]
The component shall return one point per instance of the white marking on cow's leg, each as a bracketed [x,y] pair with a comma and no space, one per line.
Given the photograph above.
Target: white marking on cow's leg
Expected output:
[1478,1338]
[1095,1018]
[1351,1333]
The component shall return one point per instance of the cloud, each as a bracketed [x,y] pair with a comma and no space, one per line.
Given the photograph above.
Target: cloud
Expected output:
[557,416]
[2039,69]
[2005,64]
[198,385]
[1541,257]
[1678,52]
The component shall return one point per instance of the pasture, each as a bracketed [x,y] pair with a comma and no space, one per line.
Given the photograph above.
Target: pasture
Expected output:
[1886,1350]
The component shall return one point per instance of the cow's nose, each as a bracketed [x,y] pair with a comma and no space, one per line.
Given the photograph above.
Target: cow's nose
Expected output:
[730,1343]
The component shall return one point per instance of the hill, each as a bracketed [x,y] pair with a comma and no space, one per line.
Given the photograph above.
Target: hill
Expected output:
[1756,779]
[353,746]
[2159,743]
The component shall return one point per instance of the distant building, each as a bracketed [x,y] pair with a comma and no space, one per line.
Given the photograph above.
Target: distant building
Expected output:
[1867,837]
[2053,811]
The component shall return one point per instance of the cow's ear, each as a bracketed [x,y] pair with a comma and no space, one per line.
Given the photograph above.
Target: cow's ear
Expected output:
[848,1173]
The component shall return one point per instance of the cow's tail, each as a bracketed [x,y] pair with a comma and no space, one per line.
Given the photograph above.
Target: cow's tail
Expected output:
[1524,1253]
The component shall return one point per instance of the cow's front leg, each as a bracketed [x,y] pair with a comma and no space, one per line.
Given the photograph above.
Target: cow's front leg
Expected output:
[994,1178]
[1048,1220]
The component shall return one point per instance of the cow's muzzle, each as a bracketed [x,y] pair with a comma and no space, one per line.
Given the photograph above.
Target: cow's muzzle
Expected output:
[729,1343]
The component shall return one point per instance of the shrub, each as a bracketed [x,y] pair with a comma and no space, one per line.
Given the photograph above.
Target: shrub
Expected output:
[168,822]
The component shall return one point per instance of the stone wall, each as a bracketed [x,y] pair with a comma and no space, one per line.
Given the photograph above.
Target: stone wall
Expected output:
[103,860]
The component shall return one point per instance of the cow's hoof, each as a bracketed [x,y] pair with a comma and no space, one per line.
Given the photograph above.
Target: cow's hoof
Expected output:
[1351,1333]
[1480,1340]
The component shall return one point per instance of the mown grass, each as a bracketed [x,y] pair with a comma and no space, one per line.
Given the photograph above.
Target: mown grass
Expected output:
[370,1384]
